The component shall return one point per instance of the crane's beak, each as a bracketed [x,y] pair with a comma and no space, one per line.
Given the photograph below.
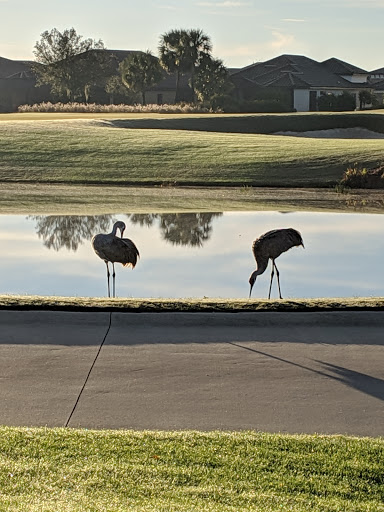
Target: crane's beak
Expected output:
[122,232]
[250,290]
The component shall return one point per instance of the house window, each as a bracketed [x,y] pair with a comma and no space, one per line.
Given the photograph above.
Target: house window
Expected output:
[160,99]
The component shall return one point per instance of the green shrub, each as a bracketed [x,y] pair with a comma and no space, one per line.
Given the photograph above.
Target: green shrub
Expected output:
[355,177]
[336,103]
[326,102]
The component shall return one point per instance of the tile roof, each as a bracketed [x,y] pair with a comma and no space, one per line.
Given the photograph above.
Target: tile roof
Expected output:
[342,68]
[8,67]
[293,70]
[378,86]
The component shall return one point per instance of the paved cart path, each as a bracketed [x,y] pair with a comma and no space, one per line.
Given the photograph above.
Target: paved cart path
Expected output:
[276,372]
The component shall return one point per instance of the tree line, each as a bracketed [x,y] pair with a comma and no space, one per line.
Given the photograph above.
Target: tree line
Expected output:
[73,67]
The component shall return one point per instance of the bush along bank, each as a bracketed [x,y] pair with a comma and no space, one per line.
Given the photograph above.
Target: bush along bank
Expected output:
[355,177]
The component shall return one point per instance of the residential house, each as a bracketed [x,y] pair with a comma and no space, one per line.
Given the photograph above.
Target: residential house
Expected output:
[162,93]
[297,80]
[377,74]
[347,71]
[17,85]
[376,79]
[302,79]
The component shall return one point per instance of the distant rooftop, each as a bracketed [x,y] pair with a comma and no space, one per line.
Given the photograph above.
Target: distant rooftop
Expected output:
[296,70]
[8,67]
[342,68]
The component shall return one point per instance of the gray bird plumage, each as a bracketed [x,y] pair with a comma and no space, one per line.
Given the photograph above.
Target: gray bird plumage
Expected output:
[269,246]
[113,249]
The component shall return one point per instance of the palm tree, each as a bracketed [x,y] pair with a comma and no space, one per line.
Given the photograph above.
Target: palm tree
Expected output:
[181,51]
[140,71]
[199,47]
[171,51]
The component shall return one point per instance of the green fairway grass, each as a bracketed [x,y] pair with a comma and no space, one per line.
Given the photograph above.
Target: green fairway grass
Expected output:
[82,151]
[62,470]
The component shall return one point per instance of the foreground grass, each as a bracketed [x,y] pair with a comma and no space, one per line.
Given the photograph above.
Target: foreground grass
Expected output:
[90,152]
[38,302]
[57,470]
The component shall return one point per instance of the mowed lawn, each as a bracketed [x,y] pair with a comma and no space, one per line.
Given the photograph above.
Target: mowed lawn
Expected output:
[85,151]
[57,470]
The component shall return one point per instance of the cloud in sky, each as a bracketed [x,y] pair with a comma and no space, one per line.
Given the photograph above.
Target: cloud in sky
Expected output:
[366,3]
[363,4]
[226,3]
[279,42]
[293,20]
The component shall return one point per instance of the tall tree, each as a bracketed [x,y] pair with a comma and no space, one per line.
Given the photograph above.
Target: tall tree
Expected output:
[93,68]
[140,71]
[181,51]
[212,80]
[172,56]
[199,48]
[55,63]
[116,90]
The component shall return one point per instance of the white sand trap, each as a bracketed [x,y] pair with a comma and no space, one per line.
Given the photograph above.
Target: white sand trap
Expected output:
[337,133]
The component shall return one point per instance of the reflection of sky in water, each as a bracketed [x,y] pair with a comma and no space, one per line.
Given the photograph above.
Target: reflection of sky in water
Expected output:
[342,257]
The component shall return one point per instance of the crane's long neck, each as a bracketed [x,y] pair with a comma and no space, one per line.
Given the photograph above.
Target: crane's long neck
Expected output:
[262,264]
[116,227]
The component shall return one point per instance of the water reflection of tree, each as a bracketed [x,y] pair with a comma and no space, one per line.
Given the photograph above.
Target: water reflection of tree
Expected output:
[190,229]
[69,231]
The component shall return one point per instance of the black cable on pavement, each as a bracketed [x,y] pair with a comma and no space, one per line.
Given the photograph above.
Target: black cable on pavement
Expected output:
[90,371]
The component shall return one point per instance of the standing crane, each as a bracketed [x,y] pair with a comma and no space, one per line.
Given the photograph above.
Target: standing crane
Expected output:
[113,249]
[269,247]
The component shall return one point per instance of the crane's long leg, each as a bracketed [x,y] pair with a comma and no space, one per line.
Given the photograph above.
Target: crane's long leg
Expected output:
[108,274]
[272,274]
[278,279]
[113,276]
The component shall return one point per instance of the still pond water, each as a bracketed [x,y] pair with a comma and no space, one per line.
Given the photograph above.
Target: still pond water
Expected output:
[193,255]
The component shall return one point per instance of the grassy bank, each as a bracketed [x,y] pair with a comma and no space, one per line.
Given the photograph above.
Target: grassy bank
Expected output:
[236,123]
[37,302]
[57,470]
[90,152]
[31,198]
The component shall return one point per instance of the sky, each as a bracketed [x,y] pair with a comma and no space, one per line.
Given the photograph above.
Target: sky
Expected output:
[242,32]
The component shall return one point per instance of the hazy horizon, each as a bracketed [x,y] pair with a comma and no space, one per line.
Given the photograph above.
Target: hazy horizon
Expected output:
[242,32]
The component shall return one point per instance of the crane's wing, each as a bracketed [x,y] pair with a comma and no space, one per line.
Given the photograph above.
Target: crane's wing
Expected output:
[275,242]
[131,253]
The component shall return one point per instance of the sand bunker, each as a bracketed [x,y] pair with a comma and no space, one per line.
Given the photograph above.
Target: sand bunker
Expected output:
[337,133]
